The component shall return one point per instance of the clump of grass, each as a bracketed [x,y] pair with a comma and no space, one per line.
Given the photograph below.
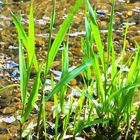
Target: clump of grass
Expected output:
[115,88]
[25,66]
[106,100]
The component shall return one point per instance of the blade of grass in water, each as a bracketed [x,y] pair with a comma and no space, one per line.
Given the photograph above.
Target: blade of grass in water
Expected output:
[31,39]
[56,115]
[91,123]
[137,117]
[80,105]
[96,67]
[7,88]
[128,87]
[60,35]
[51,24]
[32,98]
[86,46]
[65,60]
[109,37]
[135,67]
[42,112]
[23,74]
[68,77]
[96,33]
[25,38]
[110,46]
[65,66]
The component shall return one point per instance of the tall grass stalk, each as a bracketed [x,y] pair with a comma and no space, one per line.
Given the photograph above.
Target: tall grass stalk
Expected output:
[65,66]
[26,66]
[41,113]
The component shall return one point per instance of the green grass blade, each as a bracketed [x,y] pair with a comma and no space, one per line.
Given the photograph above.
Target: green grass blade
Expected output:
[23,74]
[91,12]
[65,60]
[56,115]
[65,66]
[32,98]
[110,28]
[68,77]
[96,68]
[125,40]
[88,37]
[7,87]
[138,116]
[98,41]
[20,30]
[68,115]
[31,40]
[126,88]
[135,67]
[44,119]
[60,35]
[51,24]
[86,46]
[25,38]
[96,33]
[91,123]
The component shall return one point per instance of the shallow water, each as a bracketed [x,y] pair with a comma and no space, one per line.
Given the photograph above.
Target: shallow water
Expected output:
[10,106]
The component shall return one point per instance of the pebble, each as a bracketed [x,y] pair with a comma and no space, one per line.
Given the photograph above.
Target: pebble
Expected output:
[103,25]
[5,137]
[8,110]
[39,42]
[73,82]
[135,38]
[16,99]
[18,105]
[56,64]
[49,106]
[130,13]
[3,129]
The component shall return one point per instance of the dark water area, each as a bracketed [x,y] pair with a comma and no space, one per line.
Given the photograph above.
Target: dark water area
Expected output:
[10,106]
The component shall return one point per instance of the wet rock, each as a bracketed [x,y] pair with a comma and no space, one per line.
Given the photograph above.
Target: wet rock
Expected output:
[124,14]
[103,25]
[4,102]
[77,52]
[16,99]
[8,110]
[3,129]
[133,28]
[39,42]
[5,137]
[56,64]
[73,82]
[18,95]
[117,20]
[131,1]
[135,38]
[14,129]
[49,106]
[130,13]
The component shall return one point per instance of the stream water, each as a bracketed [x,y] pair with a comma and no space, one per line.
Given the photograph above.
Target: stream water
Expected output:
[10,106]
